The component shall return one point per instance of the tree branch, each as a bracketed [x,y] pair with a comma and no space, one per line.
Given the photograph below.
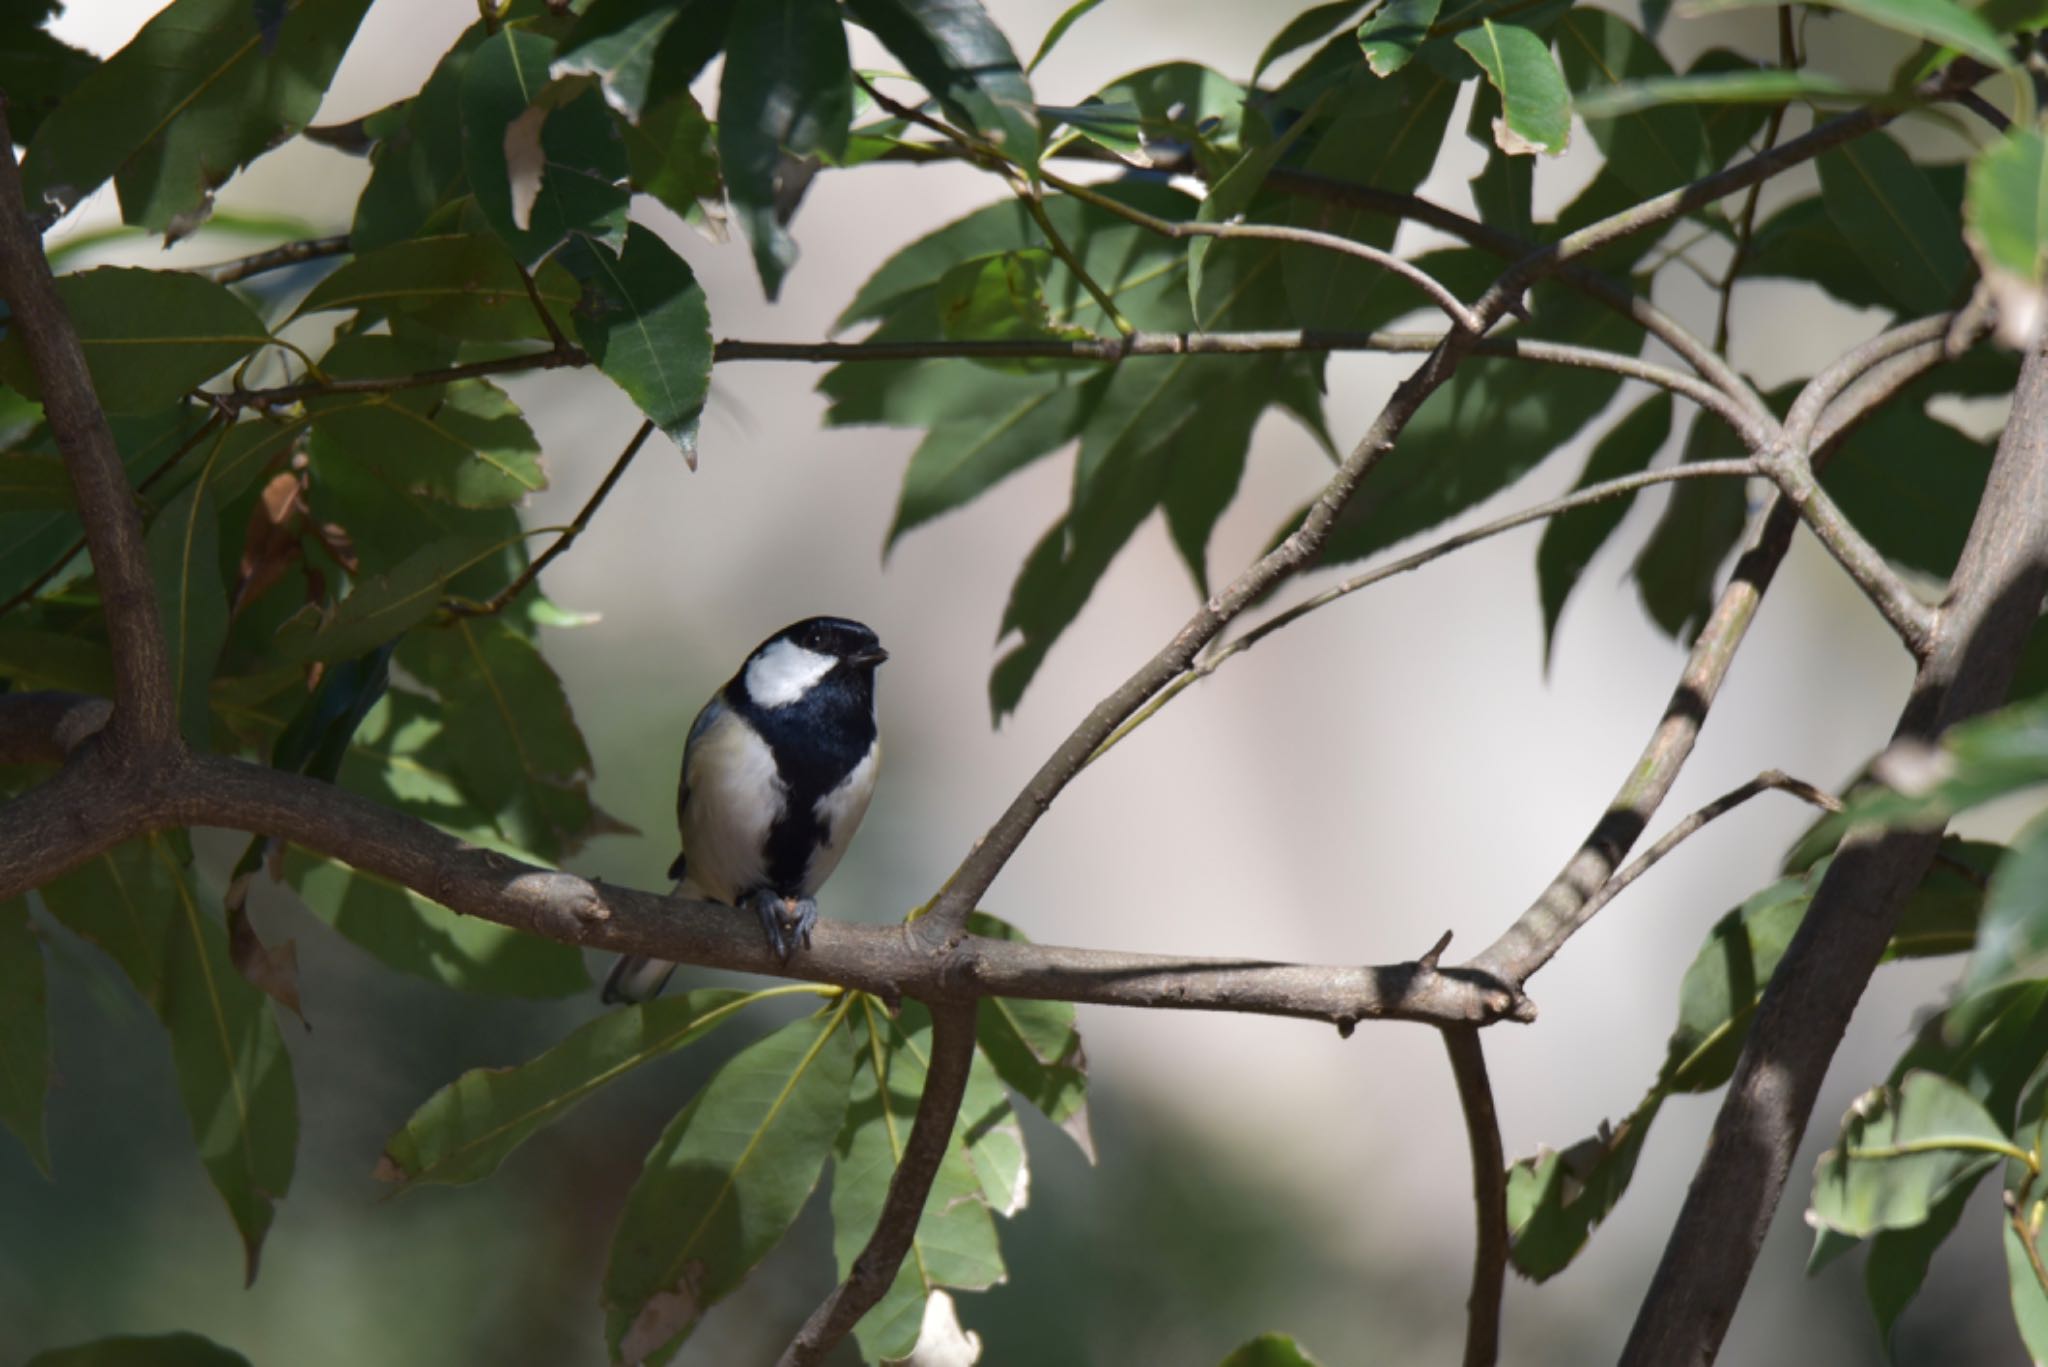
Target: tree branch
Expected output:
[568,537]
[82,811]
[289,254]
[1911,619]
[554,359]
[931,1134]
[145,710]
[1993,601]
[1489,1196]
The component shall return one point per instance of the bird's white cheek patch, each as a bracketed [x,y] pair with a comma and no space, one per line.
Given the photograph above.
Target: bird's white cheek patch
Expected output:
[840,812]
[735,795]
[784,672]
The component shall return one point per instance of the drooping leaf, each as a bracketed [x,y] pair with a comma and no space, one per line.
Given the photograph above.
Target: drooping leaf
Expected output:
[196,95]
[464,1131]
[418,166]
[1911,484]
[24,1031]
[1571,540]
[37,70]
[149,336]
[1537,104]
[184,561]
[1762,85]
[382,607]
[466,285]
[1069,16]
[1898,1260]
[955,1242]
[955,51]
[1393,33]
[1310,26]
[138,903]
[2024,1259]
[724,1181]
[1036,1049]
[1802,242]
[568,174]
[2013,939]
[1892,216]
[961,459]
[644,321]
[2007,205]
[1675,571]
[512,742]
[141,1350]
[1902,1150]
[672,154]
[644,51]
[787,89]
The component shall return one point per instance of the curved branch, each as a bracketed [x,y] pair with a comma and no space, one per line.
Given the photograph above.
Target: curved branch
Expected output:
[79,813]
[1909,618]
[1489,1196]
[931,1133]
[145,710]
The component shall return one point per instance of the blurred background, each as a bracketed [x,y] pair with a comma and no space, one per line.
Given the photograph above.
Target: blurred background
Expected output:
[1388,769]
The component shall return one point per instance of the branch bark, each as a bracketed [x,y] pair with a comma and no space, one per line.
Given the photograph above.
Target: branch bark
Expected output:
[1992,603]
[145,710]
[874,1271]
[1489,1196]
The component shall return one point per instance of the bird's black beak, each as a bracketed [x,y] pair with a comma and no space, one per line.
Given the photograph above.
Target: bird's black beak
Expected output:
[867,658]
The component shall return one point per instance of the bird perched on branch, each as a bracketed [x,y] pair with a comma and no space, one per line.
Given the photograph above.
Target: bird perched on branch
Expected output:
[777,773]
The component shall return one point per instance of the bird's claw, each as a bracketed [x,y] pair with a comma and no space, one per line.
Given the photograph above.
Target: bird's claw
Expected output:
[787,921]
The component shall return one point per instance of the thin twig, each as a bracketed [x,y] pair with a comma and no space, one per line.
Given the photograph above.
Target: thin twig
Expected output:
[145,708]
[561,344]
[562,543]
[290,254]
[554,359]
[1489,1195]
[1034,204]
[1766,781]
[931,1134]
[1581,498]
[1910,618]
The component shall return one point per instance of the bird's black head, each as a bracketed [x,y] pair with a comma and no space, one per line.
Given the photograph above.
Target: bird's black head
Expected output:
[827,661]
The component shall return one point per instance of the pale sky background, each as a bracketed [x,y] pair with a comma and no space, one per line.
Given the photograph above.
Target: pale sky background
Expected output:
[1390,768]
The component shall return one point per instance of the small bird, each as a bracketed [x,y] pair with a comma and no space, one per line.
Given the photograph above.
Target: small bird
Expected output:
[777,773]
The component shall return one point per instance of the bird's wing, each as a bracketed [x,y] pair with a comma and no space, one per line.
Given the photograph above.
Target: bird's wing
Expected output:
[706,717]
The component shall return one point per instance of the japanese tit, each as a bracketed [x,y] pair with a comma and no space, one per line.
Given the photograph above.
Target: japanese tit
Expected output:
[777,773]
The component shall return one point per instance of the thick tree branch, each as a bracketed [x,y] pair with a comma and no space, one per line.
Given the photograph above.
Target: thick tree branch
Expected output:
[1489,1196]
[1993,601]
[145,711]
[931,1133]
[82,811]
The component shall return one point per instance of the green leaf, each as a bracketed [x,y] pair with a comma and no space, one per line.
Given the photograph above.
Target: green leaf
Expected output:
[1977,761]
[382,607]
[1492,423]
[197,94]
[464,1131]
[184,560]
[1895,221]
[1231,193]
[2023,1257]
[141,1350]
[787,88]
[36,70]
[149,336]
[1911,484]
[466,443]
[1518,64]
[1393,33]
[1898,1260]
[644,321]
[1068,18]
[1035,1048]
[418,167]
[1384,133]
[1310,26]
[542,163]
[644,51]
[1675,571]
[2012,942]
[955,51]
[1902,1150]
[2005,215]
[465,285]
[1762,85]
[24,1031]
[724,1181]
[1941,22]
[955,1242]
[1652,149]
[1801,242]
[1269,1350]
[138,903]
[673,155]
[512,743]
[961,459]
[1571,540]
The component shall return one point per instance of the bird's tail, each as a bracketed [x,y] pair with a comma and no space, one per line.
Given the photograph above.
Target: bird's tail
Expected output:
[638,977]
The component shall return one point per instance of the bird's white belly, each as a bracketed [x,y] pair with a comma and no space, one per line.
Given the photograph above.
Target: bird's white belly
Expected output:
[735,796]
[840,812]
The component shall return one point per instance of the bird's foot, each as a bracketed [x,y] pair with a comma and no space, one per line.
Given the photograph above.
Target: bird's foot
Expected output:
[787,921]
